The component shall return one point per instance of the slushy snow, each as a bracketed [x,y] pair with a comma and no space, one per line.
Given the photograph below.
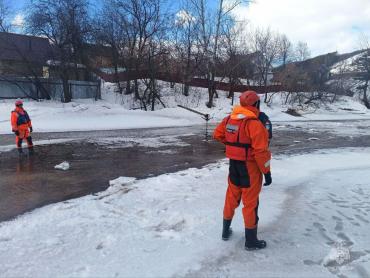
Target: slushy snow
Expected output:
[63,166]
[314,218]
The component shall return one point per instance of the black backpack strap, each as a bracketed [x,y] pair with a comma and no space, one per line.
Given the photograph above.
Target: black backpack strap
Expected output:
[265,120]
[27,116]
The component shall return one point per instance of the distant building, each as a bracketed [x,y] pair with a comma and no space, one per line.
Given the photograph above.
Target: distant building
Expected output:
[22,55]
[30,56]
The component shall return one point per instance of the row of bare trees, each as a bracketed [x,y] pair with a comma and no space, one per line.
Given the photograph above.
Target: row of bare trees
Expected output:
[67,26]
[136,33]
[215,45]
[202,39]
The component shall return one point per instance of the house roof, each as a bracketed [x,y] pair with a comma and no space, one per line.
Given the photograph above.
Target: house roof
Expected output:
[16,47]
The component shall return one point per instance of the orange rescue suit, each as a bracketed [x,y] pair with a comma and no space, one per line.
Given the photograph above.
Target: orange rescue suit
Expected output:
[21,122]
[247,141]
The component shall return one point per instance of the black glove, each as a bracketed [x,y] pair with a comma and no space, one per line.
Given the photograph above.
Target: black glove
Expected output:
[31,129]
[16,132]
[268,179]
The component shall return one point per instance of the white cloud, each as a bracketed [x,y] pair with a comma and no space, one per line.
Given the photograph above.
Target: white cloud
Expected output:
[18,20]
[184,17]
[326,25]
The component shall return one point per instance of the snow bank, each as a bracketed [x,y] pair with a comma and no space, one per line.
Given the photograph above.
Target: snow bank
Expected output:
[112,112]
[84,115]
[171,225]
[121,181]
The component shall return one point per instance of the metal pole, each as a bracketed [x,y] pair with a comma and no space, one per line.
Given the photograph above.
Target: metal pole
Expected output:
[204,116]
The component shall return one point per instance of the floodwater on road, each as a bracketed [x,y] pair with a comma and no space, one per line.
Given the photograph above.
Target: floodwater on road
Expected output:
[99,156]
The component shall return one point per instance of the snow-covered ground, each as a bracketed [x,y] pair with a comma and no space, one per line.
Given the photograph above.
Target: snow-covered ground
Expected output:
[314,218]
[113,111]
[85,115]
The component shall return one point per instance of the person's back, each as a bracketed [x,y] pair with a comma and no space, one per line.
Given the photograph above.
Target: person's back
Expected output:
[246,140]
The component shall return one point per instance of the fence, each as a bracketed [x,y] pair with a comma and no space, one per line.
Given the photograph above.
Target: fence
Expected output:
[194,82]
[13,87]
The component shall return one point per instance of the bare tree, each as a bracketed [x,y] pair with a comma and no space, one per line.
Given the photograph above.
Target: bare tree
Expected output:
[156,59]
[185,45]
[339,84]
[4,12]
[143,22]
[362,65]
[267,45]
[295,80]
[108,31]
[234,63]
[66,25]
[286,50]
[302,52]
[209,31]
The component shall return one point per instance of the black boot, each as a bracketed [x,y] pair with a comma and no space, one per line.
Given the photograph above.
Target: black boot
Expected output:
[251,241]
[226,230]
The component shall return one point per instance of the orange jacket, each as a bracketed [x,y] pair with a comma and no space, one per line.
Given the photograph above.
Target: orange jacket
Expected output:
[255,130]
[19,119]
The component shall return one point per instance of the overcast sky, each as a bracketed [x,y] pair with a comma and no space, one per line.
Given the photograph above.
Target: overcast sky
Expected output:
[326,25]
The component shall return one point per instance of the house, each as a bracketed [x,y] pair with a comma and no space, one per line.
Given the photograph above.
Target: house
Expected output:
[99,56]
[30,56]
[22,55]
[30,67]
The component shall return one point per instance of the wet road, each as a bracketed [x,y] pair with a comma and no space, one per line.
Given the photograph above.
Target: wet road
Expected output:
[99,156]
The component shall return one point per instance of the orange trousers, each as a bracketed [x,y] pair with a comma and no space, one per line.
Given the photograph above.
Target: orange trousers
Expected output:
[249,196]
[23,134]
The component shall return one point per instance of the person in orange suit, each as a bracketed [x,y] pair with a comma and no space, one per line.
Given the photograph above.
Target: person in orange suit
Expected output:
[22,127]
[247,146]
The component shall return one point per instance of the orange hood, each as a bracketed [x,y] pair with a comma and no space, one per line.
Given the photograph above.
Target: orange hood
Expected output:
[241,112]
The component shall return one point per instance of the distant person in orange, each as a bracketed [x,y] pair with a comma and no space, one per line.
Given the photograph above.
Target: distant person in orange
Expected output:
[247,146]
[22,127]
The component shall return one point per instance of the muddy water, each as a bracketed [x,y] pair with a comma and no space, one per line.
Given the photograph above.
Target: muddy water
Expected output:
[32,182]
